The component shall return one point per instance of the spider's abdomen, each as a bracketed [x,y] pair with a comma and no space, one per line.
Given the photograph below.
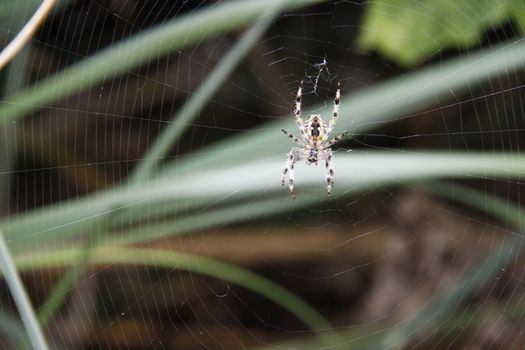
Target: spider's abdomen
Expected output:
[312,156]
[315,128]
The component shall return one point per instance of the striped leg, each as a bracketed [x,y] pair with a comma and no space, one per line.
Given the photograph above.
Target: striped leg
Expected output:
[288,171]
[335,112]
[293,138]
[297,108]
[329,171]
[336,139]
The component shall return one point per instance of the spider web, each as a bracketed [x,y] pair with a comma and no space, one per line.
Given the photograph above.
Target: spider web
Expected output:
[370,261]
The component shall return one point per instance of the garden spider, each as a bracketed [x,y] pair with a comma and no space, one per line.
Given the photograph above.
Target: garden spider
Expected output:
[314,144]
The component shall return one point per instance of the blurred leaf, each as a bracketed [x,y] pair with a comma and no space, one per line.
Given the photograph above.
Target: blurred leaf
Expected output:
[475,277]
[369,108]
[192,263]
[58,295]
[375,106]
[11,328]
[20,297]
[446,304]
[121,57]
[518,14]
[160,148]
[162,145]
[503,209]
[214,189]
[407,31]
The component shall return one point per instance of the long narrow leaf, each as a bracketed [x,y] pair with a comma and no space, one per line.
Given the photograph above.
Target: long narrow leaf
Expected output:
[11,328]
[400,335]
[373,107]
[205,266]
[198,100]
[354,172]
[120,58]
[19,294]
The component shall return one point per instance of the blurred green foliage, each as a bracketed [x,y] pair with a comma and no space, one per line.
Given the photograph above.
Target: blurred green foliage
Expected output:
[408,31]
[404,30]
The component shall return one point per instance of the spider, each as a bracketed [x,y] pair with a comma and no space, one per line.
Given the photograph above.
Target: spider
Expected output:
[314,145]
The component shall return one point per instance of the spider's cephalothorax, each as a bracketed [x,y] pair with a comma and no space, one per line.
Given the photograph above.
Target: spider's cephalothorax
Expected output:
[314,145]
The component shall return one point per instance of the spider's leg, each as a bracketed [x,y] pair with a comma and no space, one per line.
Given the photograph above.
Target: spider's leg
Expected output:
[328,157]
[293,138]
[336,139]
[297,108]
[335,112]
[288,171]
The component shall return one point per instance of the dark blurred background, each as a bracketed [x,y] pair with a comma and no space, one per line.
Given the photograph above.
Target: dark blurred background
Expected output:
[364,262]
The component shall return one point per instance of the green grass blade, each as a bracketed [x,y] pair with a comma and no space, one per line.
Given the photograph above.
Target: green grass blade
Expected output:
[475,277]
[399,336]
[58,295]
[192,263]
[370,108]
[16,76]
[198,100]
[502,209]
[443,305]
[11,328]
[120,58]
[18,292]
[354,172]
[210,218]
